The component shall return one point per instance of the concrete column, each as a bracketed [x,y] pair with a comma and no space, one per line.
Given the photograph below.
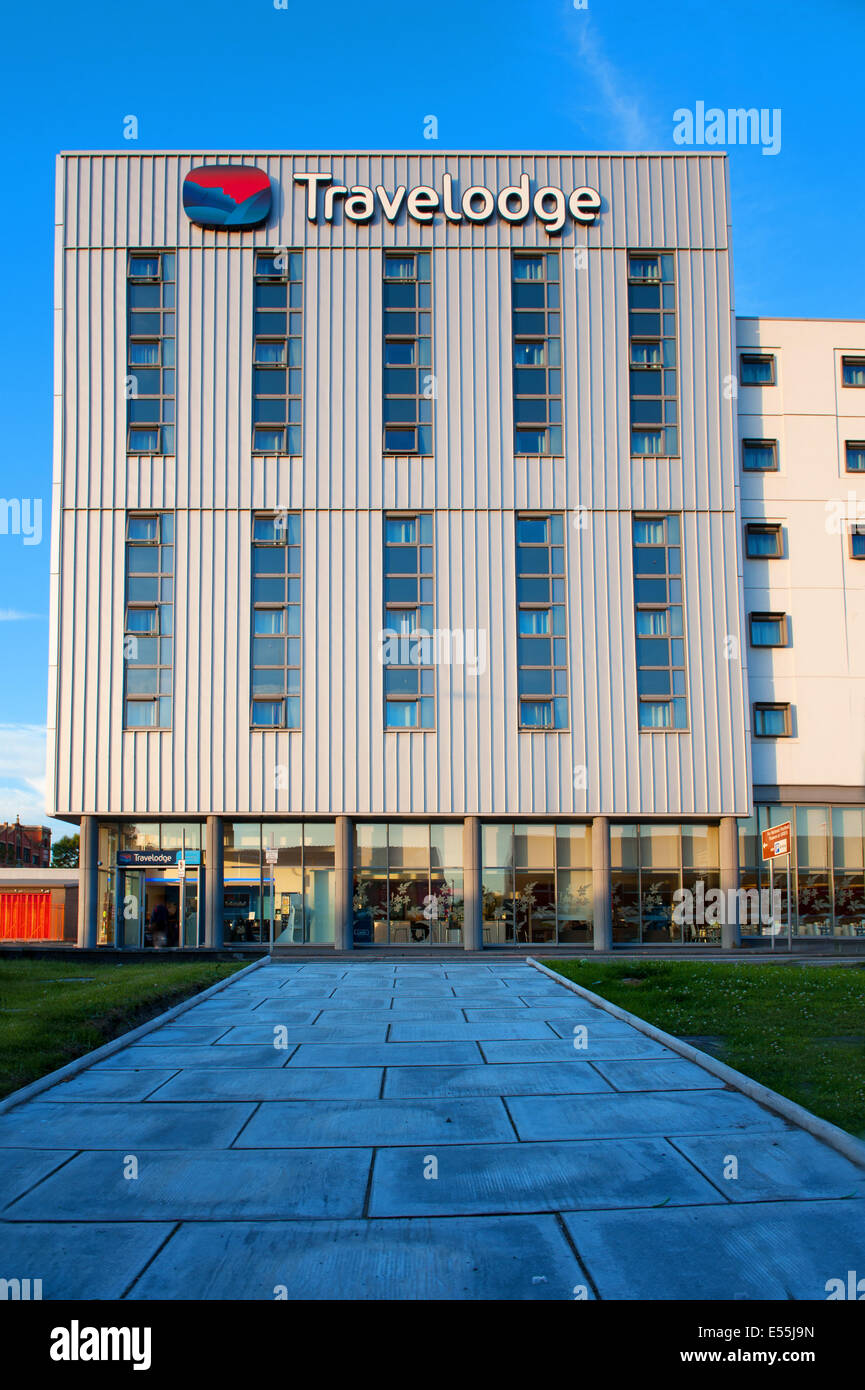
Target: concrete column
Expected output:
[88,880]
[473,923]
[601,884]
[213,882]
[731,936]
[343,931]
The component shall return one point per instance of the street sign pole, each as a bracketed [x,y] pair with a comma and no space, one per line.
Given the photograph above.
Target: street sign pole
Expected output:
[789,910]
[181,926]
[772,899]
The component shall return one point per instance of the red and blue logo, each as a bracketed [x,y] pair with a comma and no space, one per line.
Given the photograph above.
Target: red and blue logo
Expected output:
[226,195]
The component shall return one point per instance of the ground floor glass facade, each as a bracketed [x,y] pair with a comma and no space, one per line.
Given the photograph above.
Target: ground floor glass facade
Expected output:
[536,883]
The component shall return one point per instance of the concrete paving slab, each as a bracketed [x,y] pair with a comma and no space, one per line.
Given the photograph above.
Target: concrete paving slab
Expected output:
[772,1250]
[790,1164]
[614,1116]
[264,1033]
[218,1184]
[45,1125]
[21,1169]
[674,1074]
[473,1032]
[556,1050]
[492,1178]
[83,1260]
[254,1084]
[174,1033]
[524,1258]
[188,1055]
[331,1124]
[97,1084]
[554,1078]
[391,1054]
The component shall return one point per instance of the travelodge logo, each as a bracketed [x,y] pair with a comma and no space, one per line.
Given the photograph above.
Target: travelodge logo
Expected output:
[226,195]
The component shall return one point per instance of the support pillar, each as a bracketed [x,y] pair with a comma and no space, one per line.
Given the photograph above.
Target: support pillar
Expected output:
[731,936]
[473,920]
[88,881]
[214,880]
[343,931]
[601,884]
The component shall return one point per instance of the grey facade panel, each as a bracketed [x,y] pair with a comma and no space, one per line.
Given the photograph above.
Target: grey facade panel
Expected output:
[343,761]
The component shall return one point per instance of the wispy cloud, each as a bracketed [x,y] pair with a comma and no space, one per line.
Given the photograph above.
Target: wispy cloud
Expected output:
[11,615]
[615,97]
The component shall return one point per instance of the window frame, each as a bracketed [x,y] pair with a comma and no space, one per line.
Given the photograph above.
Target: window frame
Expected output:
[281,521]
[772,451]
[782,619]
[421,369]
[859,446]
[852,358]
[763,707]
[165,401]
[752,355]
[533,606]
[165,537]
[395,607]
[664,428]
[520,337]
[645,606]
[774,528]
[291,430]
[856,530]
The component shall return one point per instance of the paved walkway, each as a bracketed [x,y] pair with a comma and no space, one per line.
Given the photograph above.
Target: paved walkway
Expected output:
[384,1131]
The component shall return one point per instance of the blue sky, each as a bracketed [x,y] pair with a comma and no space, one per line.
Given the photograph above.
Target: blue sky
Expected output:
[497,74]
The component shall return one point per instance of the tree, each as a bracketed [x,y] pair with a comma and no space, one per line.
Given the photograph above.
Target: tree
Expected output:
[64,852]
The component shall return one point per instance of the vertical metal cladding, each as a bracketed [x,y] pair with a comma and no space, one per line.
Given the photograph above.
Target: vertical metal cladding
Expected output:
[343,761]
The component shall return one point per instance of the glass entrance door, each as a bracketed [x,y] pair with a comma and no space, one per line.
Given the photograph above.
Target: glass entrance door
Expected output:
[129,907]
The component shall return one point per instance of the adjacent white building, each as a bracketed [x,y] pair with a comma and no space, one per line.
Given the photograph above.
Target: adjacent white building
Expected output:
[399,585]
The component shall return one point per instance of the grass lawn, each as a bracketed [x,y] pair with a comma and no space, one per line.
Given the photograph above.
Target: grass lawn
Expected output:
[52,1011]
[797,1029]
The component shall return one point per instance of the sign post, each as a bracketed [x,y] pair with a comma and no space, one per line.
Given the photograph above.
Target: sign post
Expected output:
[271,854]
[778,841]
[181,873]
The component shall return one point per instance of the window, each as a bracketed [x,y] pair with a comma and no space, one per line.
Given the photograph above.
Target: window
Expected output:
[537,342]
[659,623]
[853,371]
[542,660]
[407,646]
[276,609]
[149,622]
[407,379]
[757,369]
[854,454]
[759,455]
[771,721]
[650,866]
[764,541]
[150,390]
[277,353]
[857,542]
[652,337]
[768,629]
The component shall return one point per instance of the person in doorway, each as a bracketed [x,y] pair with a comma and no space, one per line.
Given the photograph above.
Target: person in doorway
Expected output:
[159,925]
[173,925]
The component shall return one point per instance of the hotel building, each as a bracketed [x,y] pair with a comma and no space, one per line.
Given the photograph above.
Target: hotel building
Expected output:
[437,560]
